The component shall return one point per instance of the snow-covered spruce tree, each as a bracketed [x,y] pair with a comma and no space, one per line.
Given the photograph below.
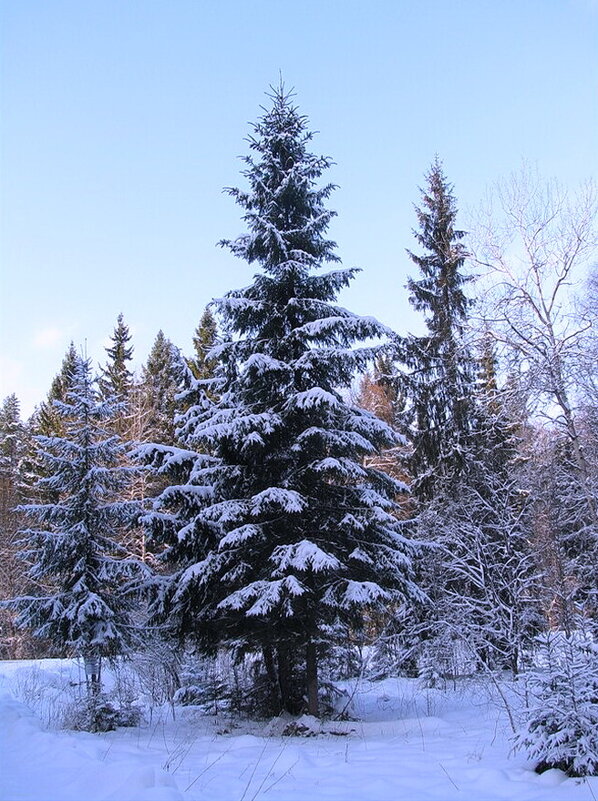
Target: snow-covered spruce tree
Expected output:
[45,419]
[288,535]
[14,447]
[76,561]
[560,725]
[116,381]
[204,339]
[463,434]
[160,382]
[436,385]
[438,381]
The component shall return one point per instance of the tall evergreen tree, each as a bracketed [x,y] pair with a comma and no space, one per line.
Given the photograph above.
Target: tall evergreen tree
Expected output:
[283,534]
[14,446]
[160,382]
[79,567]
[46,420]
[438,384]
[117,379]
[471,499]
[206,336]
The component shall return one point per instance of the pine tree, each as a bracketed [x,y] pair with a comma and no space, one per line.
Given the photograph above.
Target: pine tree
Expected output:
[160,382]
[79,567]
[435,384]
[464,449]
[288,537]
[206,336]
[560,725]
[46,421]
[438,384]
[14,446]
[117,379]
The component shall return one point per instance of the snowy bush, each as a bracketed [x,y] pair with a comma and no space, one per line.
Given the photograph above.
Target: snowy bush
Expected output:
[129,716]
[560,729]
[201,684]
[445,658]
[98,714]
[91,714]
[157,668]
[211,694]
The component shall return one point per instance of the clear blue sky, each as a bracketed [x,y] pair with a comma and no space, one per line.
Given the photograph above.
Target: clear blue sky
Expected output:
[122,121]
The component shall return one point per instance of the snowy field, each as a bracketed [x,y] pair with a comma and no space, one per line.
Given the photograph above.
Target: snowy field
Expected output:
[409,743]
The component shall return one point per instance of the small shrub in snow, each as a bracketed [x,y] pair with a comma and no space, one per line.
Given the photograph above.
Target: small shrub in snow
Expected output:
[129,716]
[212,696]
[335,702]
[157,668]
[202,685]
[305,726]
[444,658]
[93,714]
[560,729]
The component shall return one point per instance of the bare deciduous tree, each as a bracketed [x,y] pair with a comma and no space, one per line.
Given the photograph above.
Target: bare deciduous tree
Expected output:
[536,239]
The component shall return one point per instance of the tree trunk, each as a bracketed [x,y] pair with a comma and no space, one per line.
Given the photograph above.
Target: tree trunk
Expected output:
[93,673]
[273,679]
[581,463]
[285,676]
[311,674]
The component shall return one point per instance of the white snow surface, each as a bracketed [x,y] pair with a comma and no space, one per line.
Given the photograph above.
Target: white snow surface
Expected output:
[409,744]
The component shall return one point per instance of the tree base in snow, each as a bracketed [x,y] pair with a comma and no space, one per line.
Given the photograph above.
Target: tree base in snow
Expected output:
[564,765]
[305,726]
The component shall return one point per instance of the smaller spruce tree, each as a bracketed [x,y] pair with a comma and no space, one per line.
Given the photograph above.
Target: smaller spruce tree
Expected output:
[117,379]
[206,336]
[84,579]
[46,420]
[560,725]
[160,382]
[14,447]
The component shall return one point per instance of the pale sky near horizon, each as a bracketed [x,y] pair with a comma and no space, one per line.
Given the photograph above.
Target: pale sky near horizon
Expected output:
[122,122]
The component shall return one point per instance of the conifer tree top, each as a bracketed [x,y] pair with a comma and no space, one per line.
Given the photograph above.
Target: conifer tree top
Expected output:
[284,209]
[63,381]
[117,379]
[439,292]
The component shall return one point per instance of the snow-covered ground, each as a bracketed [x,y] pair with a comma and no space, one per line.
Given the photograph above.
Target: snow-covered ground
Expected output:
[409,743]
